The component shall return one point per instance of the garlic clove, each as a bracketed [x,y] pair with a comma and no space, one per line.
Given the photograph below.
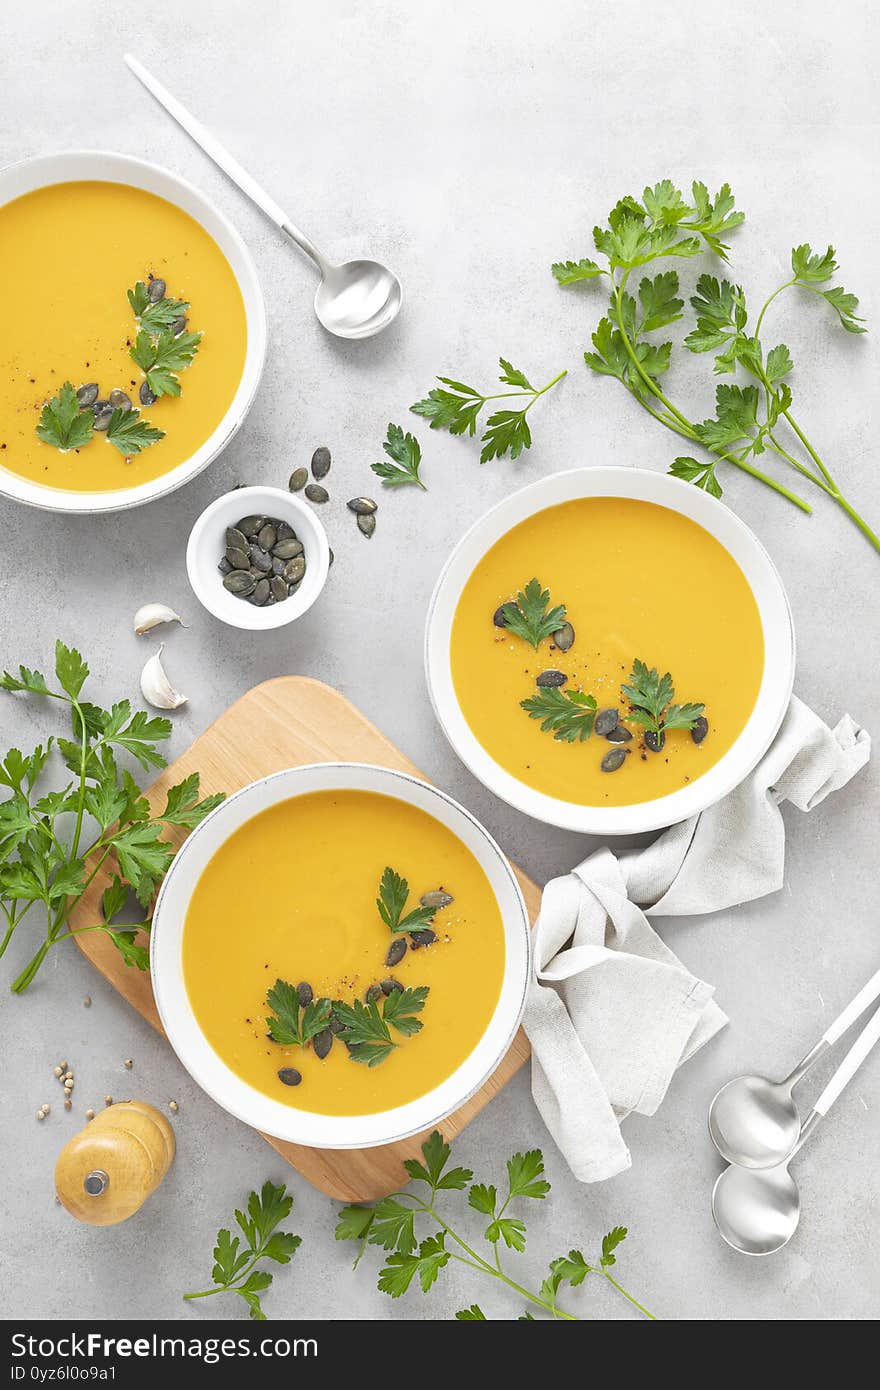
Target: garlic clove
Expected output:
[156,688]
[152,615]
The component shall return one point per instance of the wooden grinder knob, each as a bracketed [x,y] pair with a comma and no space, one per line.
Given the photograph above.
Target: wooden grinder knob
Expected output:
[107,1171]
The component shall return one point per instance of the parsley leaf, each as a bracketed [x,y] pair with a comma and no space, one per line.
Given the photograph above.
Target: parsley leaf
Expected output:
[610,1243]
[291,1024]
[530,616]
[472,1314]
[392,899]
[405,453]
[569,715]
[162,358]
[234,1269]
[572,1267]
[64,423]
[524,1174]
[128,433]
[571,272]
[700,473]
[457,409]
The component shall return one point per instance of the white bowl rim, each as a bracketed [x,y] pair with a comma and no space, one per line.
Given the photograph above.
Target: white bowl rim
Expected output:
[779,653]
[310,1128]
[215,599]
[19,489]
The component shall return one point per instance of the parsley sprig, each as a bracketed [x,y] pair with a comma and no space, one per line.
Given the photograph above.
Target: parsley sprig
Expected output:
[392,900]
[569,715]
[405,454]
[163,357]
[455,407]
[749,419]
[651,696]
[235,1265]
[64,423]
[155,316]
[43,855]
[530,615]
[292,1024]
[367,1031]
[392,1224]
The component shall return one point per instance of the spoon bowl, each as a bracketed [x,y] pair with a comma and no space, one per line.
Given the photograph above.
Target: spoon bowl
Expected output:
[756,1212]
[754,1122]
[357,299]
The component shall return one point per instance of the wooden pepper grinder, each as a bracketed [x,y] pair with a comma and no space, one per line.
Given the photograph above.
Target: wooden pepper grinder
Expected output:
[108,1170]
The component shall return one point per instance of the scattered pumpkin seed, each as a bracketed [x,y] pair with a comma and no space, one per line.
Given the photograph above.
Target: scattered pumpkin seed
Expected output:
[87,394]
[335,1025]
[367,525]
[332,557]
[304,993]
[362,506]
[619,734]
[390,985]
[563,637]
[549,679]
[437,899]
[373,993]
[498,617]
[298,479]
[396,951]
[423,937]
[322,1042]
[316,493]
[655,742]
[145,395]
[321,462]
[700,729]
[103,418]
[290,1076]
[613,760]
[156,290]
[178,326]
[119,400]
[606,720]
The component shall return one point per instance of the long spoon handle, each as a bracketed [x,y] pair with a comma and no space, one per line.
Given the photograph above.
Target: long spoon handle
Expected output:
[850,1065]
[221,156]
[866,995]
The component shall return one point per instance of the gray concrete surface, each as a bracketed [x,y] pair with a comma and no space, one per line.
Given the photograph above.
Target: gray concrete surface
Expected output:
[470,146]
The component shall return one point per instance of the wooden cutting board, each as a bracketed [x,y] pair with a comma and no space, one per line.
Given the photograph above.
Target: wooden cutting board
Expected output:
[283,723]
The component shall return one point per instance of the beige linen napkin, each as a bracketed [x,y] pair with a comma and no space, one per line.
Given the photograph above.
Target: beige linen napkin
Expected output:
[611,1011]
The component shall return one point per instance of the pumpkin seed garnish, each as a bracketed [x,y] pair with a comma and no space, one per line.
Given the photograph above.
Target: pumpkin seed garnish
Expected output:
[298,479]
[316,493]
[547,680]
[614,759]
[563,637]
[362,506]
[367,525]
[607,720]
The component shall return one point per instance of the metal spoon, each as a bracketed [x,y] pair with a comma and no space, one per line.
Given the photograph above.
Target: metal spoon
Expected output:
[354,300]
[753,1121]
[758,1212]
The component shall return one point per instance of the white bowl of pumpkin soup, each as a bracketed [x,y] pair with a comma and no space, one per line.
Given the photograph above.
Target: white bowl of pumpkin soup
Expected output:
[340,955]
[133,327]
[610,650]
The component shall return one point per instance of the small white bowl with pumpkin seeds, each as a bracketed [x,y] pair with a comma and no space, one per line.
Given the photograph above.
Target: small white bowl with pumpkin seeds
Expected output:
[285,542]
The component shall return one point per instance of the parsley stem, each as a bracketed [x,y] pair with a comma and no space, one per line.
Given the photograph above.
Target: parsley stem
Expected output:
[544,389]
[768,301]
[628,1296]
